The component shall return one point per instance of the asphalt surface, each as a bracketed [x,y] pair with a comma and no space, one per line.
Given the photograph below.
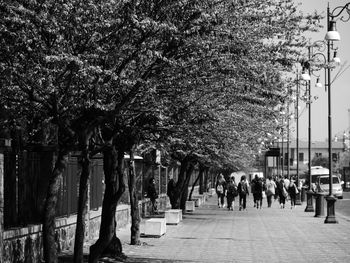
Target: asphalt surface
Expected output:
[212,234]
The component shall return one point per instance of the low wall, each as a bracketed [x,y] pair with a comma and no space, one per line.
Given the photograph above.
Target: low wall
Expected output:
[25,244]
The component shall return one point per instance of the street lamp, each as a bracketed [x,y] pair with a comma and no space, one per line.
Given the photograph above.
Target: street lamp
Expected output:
[331,36]
[298,199]
[306,75]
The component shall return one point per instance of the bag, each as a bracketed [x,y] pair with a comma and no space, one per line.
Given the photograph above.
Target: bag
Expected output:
[296,189]
[235,190]
[284,192]
[220,188]
[269,192]
[232,189]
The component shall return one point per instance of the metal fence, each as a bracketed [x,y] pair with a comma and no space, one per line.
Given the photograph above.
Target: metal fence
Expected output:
[26,180]
[27,175]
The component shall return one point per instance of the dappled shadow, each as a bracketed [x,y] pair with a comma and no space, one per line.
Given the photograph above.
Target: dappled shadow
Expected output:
[155,260]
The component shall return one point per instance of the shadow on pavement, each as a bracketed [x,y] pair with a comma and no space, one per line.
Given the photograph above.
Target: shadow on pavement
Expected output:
[155,260]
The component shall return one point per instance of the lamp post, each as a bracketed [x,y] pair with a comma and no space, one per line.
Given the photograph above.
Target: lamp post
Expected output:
[331,36]
[298,198]
[306,76]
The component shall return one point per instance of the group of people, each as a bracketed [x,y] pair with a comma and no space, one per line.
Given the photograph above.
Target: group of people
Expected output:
[272,188]
[231,190]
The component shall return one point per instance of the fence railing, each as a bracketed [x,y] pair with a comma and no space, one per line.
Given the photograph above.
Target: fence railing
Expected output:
[27,175]
[26,179]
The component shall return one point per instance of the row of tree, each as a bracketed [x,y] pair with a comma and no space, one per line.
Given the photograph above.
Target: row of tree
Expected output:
[198,80]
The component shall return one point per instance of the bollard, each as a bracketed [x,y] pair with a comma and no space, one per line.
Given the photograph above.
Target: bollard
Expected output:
[309,201]
[319,211]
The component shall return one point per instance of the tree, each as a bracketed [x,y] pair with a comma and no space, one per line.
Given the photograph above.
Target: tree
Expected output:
[320,161]
[199,77]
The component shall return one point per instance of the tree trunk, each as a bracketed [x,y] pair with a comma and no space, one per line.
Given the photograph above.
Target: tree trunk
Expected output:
[184,190]
[206,179]
[194,184]
[135,213]
[179,184]
[108,244]
[49,244]
[201,181]
[82,207]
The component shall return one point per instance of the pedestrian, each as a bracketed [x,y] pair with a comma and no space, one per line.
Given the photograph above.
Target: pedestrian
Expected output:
[292,191]
[171,192]
[254,182]
[152,195]
[220,187]
[231,193]
[286,181]
[270,190]
[258,188]
[282,193]
[243,192]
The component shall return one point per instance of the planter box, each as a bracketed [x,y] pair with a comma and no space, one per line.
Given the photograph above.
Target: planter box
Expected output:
[201,197]
[155,227]
[190,206]
[173,216]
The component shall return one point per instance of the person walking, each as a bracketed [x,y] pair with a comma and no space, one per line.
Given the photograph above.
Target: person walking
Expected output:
[270,190]
[231,193]
[254,182]
[243,192]
[258,188]
[171,192]
[292,191]
[220,187]
[152,195]
[281,192]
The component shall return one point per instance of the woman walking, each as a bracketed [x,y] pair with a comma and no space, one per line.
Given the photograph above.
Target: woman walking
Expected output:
[293,191]
[281,192]
[270,190]
[232,192]
[243,192]
[220,187]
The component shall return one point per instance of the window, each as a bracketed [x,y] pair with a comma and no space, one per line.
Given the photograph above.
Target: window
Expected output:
[301,157]
[335,157]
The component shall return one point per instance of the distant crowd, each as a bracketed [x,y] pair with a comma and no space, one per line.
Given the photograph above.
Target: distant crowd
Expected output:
[272,189]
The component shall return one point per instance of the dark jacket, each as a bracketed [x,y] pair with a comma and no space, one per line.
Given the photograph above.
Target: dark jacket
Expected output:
[152,192]
[243,188]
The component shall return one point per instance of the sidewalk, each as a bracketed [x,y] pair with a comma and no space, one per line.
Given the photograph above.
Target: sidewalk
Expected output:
[212,234]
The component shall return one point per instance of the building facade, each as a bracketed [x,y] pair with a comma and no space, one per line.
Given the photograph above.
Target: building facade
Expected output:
[289,150]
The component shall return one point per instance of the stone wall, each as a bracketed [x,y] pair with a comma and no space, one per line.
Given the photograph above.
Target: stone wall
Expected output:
[25,244]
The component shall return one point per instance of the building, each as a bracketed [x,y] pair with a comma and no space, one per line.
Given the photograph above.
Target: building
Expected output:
[318,149]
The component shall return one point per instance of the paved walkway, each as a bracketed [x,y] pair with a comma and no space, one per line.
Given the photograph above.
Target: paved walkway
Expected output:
[212,234]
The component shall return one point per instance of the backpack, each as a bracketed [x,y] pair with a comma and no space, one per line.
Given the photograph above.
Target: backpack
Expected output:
[220,188]
[232,189]
[242,188]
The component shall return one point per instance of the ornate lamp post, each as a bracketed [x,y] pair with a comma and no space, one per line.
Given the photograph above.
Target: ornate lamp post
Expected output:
[331,36]
[306,75]
[298,199]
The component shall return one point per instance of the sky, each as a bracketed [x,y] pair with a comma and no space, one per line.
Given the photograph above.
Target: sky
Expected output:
[340,88]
